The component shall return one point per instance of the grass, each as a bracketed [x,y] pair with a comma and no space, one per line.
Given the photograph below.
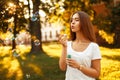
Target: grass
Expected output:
[44,66]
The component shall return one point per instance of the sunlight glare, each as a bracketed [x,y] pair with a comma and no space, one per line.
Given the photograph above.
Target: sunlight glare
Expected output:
[11,4]
[46,1]
[42,13]
[25,2]
[15,69]
[36,69]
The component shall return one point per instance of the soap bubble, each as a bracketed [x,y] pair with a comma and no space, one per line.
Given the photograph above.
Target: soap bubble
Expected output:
[34,17]
[22,63]
[10,29]
[37,42]
[13,38]
[22,42]
[15,54]
[28,75]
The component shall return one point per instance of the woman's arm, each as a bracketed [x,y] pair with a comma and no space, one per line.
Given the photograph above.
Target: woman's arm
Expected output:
[62,60]
[93,71]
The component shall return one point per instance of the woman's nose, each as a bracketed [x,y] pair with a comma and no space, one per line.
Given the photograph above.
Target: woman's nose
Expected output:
[73,21]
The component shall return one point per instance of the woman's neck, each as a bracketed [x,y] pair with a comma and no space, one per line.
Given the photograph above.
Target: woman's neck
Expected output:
[80,38]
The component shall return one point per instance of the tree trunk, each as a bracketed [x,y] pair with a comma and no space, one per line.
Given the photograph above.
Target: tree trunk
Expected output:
[117,37]
[15,26]
[14,32]
[35,29]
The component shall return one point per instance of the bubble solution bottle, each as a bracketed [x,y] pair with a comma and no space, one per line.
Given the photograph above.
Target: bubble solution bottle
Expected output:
[68,56]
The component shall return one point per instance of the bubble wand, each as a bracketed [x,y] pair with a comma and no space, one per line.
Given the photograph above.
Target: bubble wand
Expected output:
[64,33]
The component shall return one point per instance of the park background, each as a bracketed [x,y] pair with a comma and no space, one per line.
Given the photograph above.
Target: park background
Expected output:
[29,31]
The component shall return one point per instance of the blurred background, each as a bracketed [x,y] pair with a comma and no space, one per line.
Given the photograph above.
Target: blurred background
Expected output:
[29,31]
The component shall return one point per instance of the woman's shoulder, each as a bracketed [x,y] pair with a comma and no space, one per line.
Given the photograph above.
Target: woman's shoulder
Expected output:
[94,44]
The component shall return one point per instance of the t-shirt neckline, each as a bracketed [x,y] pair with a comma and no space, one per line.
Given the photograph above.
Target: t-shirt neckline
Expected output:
[80,51]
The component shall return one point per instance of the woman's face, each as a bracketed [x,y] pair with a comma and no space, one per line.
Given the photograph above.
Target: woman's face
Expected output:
[75,23]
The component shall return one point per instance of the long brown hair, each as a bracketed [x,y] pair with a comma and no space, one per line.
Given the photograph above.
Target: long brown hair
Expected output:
[86,27]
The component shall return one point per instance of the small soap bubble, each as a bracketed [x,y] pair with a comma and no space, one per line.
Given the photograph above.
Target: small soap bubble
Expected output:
[28,75]
[65,35]
[15,54]
[37,42]
[36,13]
[10,30]
[22,42]
[64,28]
[22,63]
[13,38]
[34,17]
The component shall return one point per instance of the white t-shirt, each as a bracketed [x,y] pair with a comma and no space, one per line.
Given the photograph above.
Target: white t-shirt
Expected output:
[85,57]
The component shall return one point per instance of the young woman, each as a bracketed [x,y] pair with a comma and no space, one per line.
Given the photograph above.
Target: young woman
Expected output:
[84,54]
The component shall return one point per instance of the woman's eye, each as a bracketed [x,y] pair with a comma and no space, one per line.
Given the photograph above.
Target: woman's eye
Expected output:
[71,20]
[77,19]
[74,20]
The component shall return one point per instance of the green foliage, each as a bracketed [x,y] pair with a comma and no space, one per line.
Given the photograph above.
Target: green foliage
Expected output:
[75,5]
[111,21]
[103,23]
[115,17]
[99,1]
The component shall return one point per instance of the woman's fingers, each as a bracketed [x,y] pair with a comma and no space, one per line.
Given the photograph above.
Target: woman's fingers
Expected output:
[62,39]
[71,63]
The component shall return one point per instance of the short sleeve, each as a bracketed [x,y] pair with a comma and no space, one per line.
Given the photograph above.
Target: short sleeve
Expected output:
[96,52]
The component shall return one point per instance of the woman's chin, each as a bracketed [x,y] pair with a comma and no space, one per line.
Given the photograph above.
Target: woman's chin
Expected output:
[73,31]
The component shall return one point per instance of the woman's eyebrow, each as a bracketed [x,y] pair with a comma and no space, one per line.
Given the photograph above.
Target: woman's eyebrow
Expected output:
[74,18]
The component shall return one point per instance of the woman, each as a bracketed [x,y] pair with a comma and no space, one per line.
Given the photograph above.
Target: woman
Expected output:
[84,54]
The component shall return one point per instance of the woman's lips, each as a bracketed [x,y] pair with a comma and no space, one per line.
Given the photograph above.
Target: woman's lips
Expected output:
[72,27]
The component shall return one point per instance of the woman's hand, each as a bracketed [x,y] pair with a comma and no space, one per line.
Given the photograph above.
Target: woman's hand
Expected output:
[63,40]
[72,63]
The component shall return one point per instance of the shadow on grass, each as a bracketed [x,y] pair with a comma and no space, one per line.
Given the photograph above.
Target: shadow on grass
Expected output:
[31,67]
[113,57]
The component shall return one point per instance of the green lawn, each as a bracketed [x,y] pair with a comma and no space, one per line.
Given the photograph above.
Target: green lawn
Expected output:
[44,66]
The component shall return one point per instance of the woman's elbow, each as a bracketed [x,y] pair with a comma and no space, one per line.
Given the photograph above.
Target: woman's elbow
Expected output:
[97,75]
[62,68]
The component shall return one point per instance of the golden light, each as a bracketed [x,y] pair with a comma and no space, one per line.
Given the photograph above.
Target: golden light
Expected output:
[108,37]
[42,13]
[11,5]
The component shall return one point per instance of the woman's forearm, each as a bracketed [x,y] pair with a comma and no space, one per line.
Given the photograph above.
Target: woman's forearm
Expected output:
[62,61]
[90,72]
[93,71]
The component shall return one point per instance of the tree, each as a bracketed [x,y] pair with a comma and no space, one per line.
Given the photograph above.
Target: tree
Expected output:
[110,23]
[35,22]
[4,16]
[115,19]
[12,9]
[35,27]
